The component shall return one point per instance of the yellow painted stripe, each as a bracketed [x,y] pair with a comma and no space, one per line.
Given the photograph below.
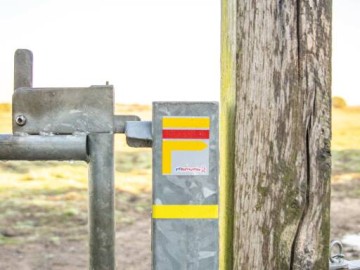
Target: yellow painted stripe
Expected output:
[169,146]
[184,211]
[186,122]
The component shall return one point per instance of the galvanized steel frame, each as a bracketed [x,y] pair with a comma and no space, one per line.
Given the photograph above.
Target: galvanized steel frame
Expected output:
[70,124]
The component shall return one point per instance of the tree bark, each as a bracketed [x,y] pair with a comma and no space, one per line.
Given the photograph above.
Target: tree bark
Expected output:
[282,133]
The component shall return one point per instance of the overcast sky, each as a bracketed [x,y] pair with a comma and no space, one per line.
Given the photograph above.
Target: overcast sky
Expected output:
[150,50]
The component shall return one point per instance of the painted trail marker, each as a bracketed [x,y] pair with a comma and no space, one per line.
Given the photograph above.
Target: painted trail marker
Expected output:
[185,145]
[185,186]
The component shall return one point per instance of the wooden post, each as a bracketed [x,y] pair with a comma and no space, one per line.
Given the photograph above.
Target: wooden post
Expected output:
[276,64]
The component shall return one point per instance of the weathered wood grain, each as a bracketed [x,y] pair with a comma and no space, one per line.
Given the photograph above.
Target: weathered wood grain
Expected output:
[282,133]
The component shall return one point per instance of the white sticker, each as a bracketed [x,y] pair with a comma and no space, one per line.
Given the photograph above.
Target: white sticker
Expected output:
[185,145]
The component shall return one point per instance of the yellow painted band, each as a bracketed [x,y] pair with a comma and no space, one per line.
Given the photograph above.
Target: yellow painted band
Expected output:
[168,146]
[185,211]
[186,122]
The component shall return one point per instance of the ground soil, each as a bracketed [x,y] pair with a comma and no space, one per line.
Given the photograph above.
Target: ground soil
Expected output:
[132,251]
[133,240]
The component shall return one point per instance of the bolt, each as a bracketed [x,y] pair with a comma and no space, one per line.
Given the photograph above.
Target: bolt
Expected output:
[20,120]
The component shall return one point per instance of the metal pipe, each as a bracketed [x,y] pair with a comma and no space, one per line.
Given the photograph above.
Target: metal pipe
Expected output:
[120,122]
[101,201]
[23,68]
[36,147]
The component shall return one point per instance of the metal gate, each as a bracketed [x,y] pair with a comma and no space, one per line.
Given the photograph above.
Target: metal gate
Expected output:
[79,124]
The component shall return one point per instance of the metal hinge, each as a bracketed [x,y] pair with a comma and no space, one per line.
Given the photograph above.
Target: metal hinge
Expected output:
[337,261]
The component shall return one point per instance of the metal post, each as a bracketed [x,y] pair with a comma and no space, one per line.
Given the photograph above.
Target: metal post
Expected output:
[23,68]
[185,186]
[101,201]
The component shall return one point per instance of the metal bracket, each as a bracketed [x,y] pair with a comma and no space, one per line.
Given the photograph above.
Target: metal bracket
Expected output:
[67,111]
[139,134]
[63,110]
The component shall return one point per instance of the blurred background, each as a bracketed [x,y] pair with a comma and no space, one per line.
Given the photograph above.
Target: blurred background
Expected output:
[150,50]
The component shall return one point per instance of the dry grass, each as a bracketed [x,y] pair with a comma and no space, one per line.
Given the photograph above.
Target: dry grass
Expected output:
[346,144]
[5,118]
[346,128]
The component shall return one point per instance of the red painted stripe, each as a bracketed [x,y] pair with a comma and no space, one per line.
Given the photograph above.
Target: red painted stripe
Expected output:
[185,134]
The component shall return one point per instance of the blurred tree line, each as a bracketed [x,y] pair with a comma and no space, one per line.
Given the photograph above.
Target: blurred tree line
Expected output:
[338,102]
